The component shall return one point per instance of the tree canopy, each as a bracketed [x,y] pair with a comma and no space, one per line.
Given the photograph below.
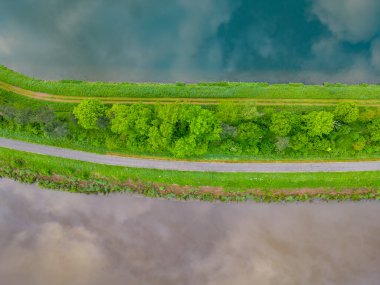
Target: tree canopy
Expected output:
[233,113]
[88,113]
[346,112]
[184,129]
[131,122]
[281,123]
[318,123]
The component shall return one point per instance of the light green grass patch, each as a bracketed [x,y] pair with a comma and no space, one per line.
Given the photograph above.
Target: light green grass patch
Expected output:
[239,182]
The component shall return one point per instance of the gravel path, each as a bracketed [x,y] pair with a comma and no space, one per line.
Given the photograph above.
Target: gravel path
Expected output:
[191,166]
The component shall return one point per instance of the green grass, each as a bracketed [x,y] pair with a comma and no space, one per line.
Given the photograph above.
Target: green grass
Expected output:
[64,110]
[237,182]
[210,156]
[196,90]
[23,101]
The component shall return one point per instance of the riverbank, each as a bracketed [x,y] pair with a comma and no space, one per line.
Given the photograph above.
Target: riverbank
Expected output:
[202,92]
[90,178]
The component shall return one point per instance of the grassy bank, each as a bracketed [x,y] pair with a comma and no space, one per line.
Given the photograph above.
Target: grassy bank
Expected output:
[196,90]
[75,176]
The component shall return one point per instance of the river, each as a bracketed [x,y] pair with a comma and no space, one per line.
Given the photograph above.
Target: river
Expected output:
[50,237]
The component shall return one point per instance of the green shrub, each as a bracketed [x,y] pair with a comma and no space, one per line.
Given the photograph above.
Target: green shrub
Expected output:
[346,112]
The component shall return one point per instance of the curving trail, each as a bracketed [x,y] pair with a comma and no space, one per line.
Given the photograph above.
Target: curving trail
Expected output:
[190,165]
[197,101]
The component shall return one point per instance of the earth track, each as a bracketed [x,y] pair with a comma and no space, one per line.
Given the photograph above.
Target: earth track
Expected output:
[197,101]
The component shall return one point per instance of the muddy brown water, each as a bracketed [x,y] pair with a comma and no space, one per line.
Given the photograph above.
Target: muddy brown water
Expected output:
[50,237]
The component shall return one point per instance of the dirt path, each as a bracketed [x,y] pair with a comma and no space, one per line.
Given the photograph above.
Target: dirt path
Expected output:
[191,165]
[197,101]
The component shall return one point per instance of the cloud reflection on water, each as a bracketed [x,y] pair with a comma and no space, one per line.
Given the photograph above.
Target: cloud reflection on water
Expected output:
[58,238]
[200,40]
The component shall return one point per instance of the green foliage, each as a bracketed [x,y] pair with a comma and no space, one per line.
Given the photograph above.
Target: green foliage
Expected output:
[132,123]
[320,144]
[299,142]
[374,129]
[88,113]
[229,131]
[233,113]
[281,123]
[164,131]
[359,144]
[249,133]
[228,113]
[187,146]
[232,147]
[38,121]
[318,123]
[282,143]
[248,112]
[184,130]
[368,115]
[346,112]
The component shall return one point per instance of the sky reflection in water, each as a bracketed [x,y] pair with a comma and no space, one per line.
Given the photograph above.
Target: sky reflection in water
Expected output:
[197,40]
[58,238]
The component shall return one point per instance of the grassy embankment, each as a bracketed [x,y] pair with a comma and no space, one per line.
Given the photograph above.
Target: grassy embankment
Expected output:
[84,177]
[202,93]
[64,110]
[91,178]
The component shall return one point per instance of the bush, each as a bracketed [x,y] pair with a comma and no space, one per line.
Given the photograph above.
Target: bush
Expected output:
[282,143]
[281,123]
[346,112]
[359,144]
[319,123]
[231,147]
[368,115]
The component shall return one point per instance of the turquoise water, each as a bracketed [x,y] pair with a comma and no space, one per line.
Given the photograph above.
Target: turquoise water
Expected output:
[197,40]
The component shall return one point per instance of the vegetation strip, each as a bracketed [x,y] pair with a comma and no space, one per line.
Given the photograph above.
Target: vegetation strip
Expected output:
[201,101]
[225,132]
[192,166]
[83,177]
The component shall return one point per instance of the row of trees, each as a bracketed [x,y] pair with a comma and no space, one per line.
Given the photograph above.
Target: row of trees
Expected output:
[182,130]
[188,130]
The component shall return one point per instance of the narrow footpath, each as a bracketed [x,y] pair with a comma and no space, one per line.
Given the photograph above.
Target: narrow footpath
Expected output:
[190,165]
